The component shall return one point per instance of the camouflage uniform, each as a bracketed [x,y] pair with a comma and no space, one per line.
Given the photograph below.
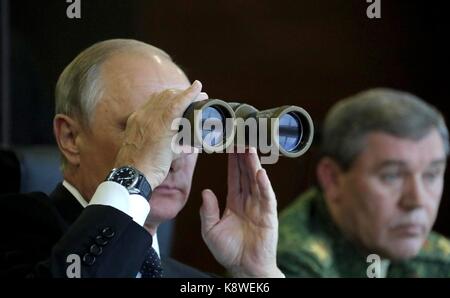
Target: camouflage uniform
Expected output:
[310,245]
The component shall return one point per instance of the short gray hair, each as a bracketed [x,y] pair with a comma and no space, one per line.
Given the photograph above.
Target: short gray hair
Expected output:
[398,113]
[79,87]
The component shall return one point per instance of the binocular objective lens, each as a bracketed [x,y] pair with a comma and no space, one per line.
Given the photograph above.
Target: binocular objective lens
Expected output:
[290,132]
[213,126]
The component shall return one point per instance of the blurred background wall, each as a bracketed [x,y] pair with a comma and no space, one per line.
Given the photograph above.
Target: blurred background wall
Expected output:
[267,53]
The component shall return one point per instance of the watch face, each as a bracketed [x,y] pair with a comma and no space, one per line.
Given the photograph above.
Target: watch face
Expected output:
[125,176]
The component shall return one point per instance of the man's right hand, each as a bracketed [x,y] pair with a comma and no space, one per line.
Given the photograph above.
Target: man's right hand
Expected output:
[148,134]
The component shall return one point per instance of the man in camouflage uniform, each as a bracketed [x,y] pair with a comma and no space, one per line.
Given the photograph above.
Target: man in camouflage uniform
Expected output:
[381,179]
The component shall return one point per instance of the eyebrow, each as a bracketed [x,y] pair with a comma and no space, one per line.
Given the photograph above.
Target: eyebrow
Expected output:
[403,164]
[391,163]
[438,162]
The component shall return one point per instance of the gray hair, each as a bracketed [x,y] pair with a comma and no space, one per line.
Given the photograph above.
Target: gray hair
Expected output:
[79,87]
[391,111]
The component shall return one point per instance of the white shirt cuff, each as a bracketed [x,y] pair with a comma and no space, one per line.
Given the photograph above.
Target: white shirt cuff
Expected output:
[113,194]
[139,208]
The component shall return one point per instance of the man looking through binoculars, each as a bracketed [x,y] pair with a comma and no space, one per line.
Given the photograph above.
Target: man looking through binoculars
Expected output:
[115,103]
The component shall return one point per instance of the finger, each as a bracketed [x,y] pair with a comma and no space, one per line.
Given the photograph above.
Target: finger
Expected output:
[194,90]
[244,180]
[201,96]
[265,187]
[186,97]
[252,166]
[234,187]
[209,211]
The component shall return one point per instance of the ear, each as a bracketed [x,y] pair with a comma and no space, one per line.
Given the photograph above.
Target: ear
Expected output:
[328,173]
[66,131]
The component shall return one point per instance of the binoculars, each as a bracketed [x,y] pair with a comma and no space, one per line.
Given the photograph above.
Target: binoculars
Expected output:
[216,124]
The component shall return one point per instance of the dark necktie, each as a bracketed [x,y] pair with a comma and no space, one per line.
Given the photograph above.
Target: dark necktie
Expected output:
[152,265]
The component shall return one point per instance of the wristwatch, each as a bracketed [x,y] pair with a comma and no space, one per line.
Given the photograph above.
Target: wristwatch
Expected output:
[132,179]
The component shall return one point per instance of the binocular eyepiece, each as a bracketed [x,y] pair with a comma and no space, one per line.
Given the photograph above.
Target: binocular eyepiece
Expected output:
[216,124]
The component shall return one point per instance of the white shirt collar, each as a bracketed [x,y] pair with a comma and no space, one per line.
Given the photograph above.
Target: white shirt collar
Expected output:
[75,193]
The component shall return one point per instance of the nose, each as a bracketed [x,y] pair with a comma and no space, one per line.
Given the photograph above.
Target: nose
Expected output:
[414,195]
[177,163]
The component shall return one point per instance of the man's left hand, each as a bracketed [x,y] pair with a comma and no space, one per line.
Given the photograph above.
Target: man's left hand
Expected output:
[245,239]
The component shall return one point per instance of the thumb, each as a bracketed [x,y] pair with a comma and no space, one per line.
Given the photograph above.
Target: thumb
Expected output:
[209,211]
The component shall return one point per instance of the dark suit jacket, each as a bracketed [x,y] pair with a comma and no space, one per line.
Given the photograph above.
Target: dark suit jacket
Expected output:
[39,234]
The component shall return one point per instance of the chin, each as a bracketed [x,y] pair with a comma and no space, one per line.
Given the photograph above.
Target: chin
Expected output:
[164,207]
[404,249]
